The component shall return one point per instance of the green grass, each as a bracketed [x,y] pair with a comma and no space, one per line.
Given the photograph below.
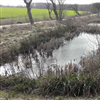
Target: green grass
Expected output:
[20,14]
[4,95]
[15,12]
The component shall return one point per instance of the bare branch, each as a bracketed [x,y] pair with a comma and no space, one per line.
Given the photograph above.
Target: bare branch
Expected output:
[75,8]
[49,7]
[28,1]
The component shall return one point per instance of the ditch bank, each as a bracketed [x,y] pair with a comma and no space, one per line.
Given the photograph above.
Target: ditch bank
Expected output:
[26,40]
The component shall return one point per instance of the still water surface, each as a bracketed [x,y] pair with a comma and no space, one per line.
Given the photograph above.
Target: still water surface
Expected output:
[74,49]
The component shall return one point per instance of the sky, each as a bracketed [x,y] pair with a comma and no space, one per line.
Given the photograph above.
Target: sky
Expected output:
[20,2]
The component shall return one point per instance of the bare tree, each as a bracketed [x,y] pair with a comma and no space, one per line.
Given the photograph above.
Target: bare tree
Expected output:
[61,8]
[59,13]
[55,9]
[28,5]
[97,7]
[75,8]
[49,7]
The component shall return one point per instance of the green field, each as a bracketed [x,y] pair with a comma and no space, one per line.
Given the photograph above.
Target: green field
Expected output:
[20,14]
[16,12]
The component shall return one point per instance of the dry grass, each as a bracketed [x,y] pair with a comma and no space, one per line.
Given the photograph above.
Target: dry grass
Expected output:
[16,96]
[91,62]
[10,36]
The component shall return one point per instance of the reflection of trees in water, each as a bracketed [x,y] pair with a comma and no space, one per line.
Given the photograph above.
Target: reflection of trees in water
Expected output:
[33,65]
[29,64]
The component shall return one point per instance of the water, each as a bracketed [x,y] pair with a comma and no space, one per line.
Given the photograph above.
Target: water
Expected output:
[94,24]
[72,50]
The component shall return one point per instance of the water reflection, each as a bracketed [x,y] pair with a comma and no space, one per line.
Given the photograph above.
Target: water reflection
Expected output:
[95,24]
[74,49]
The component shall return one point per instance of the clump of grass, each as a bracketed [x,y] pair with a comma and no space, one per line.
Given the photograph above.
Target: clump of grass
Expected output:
[69,85]
[94,19]
[91,29]
[17,84]
[91,63]
[64,85]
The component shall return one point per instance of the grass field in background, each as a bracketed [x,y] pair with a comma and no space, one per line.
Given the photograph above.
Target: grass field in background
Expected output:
[20,14]
[15,12]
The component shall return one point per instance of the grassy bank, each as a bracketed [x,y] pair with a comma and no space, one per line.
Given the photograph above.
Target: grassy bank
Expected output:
[25,39]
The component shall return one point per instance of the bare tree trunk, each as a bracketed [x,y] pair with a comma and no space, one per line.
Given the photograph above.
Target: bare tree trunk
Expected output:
[75,8]
[29,14]
[98,12]
[78,13]
[97,7]
[48,5]
[28,4]
[61,9]
[50,14]
[59,16]
[60,12]
[55,9]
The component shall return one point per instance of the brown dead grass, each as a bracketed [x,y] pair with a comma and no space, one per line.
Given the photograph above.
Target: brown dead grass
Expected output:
[11,36]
